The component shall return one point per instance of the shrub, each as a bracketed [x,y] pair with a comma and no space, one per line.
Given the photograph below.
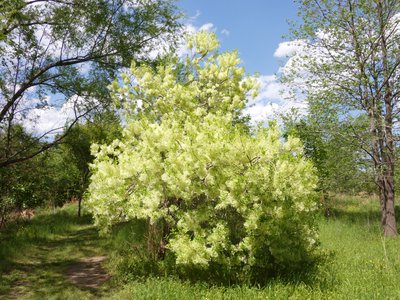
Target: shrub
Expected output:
[217,192]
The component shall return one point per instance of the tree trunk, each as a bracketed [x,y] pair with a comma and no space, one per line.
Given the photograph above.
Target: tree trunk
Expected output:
[165,231]
[383,157]
[384,168]
[388,208]
[385,132]
[79,206]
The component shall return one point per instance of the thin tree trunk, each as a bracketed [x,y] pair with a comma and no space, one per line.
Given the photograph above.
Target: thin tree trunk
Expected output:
[386,125]
[384,168]
[79,206]
[388,207]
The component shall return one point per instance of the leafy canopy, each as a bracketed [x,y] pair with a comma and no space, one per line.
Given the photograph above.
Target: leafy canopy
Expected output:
[68,52]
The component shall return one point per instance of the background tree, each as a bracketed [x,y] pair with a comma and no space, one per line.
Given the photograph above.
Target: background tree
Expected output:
[18,183]
[350,63]
[59,174]
[103,128]
[342,167]
[52,52]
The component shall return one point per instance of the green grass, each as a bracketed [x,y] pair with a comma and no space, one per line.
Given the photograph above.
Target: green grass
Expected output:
[34,255]
[360,263]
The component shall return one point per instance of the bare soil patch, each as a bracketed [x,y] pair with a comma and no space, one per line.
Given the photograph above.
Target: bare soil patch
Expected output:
[88,273]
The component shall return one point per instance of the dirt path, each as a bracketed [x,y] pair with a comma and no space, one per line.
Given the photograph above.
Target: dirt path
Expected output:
[88,273]
[63,259]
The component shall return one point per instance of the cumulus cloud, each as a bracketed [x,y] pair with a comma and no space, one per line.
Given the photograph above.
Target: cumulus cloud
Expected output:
[288,49]
[262,112]
[49,118]
[273,101]
[53,119]
[45,120]
[270,88]
[275,98]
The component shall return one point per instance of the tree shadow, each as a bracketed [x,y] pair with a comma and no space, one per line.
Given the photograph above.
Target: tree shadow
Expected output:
[36,255]
[367,216]
[133,263]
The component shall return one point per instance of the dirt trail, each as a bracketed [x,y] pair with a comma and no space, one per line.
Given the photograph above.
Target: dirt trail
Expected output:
[58,255]
[88,273]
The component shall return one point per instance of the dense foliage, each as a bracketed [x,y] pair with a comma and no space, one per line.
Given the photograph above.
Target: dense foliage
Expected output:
[67,52]
[217,192]
[59,174]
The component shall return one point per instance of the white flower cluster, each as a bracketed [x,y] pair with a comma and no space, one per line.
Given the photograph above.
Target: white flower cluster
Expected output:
[229,195]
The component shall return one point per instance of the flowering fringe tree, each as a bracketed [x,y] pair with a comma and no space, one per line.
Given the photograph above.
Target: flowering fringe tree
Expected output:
[186,162]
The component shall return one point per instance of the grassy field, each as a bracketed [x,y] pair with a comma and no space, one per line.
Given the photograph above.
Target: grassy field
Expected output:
[35,257]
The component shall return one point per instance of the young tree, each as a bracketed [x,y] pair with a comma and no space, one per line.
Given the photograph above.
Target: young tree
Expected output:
[70,50]
[103,128]
[351,65]
[218,193]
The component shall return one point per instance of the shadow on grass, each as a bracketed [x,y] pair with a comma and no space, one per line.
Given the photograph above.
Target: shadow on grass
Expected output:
[131,262]
[35,254]
[369,216]
[45,280]
[357,217]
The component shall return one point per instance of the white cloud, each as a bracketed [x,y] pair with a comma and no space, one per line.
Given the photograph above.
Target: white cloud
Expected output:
[225,32]
[276,98]
[207,27]
[287,49]
[270,88]
[272,101]
[39,121]
[261,112]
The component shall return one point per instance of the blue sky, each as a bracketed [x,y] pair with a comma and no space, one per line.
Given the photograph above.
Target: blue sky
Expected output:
[253,27]
[256,28]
